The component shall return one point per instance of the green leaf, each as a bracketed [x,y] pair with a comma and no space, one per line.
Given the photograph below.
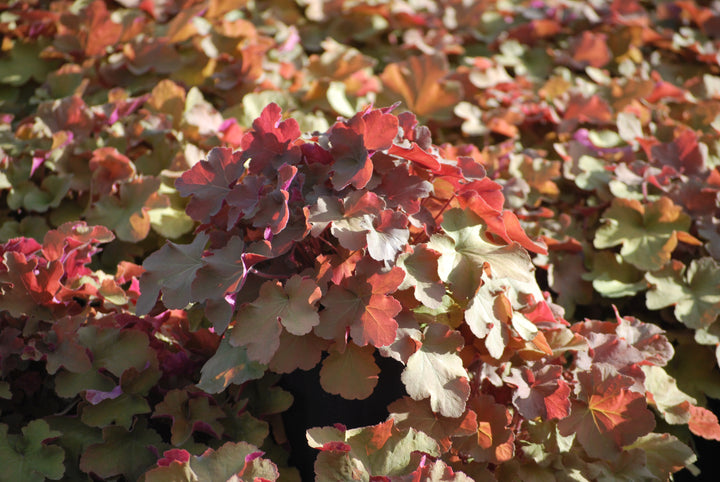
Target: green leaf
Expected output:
[629,127]
[76,437]
[377,450]
[464,250]
[612,277]
[171,269]
[28,196]
[665,454]
[5,390]
[188,414]
[695,293]
[114,351]
[245,427]
[122,452]
[170,222]
[673,404]
[225,462]
[118,411]
[647,233]
[228,365]
[23,63]
[28,457]
[126,213]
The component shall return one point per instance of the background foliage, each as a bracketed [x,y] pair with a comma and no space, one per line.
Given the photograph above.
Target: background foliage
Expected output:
[199,197]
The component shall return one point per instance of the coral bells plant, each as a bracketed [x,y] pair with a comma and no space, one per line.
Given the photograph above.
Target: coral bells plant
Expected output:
[367,239]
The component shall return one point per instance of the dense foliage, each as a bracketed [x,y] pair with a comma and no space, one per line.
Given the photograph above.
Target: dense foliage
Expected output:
[517,201]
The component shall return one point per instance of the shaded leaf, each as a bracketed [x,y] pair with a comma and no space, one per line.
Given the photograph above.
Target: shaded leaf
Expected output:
[352,373]
[29,457]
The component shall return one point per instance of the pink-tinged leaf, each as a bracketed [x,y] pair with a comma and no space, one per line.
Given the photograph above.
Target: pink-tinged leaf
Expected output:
[335,447]
[352,373]
[437,471]
[388,236]
[273,211]
[683,153]
[352,163]
[493,440]
[272,208]
[341,308]
[704,423]
[541,392]
[415,154]
[401,189]
[223,271]
[436,371]
[649,339]
[270,144]
[171,269]
[592,110]
[24,246]
[608,415]
[387,282]
[174,455]
[244,198]
[208,182]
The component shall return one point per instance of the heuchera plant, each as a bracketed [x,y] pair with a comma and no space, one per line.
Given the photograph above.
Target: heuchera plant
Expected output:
[365,238]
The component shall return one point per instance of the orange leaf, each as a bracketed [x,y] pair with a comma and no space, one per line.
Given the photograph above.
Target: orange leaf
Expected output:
[422,82]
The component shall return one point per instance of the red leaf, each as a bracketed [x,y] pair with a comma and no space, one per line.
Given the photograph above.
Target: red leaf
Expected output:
[664,90]
[335,447]
[377,324]
[174,455]
[591,49]
[352,163]
[108,167]
[704,423]
[401,189]
[380,129]
[415,154]
[269,145]
[32,285]
[609,415]
[541,392]
[208,182]
[593,110]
